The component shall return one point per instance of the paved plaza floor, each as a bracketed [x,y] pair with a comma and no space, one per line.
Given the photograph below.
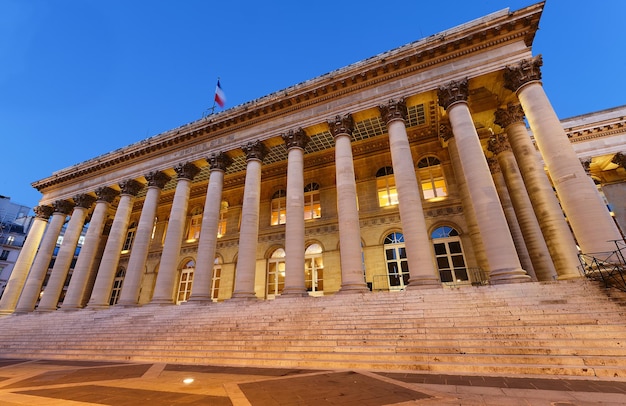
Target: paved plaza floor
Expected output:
[74,383]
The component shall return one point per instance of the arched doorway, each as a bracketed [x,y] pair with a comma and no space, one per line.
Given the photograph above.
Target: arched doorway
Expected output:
[275,273]
[397,265]
[314,270]
[185,282]
[449,256]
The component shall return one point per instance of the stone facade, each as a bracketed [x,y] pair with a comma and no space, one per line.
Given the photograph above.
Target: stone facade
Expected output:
[372,176]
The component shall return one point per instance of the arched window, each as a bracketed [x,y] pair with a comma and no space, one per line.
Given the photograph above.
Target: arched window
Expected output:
[386,187]
[279,212]
[276,273]
[117,286]
[130,237]
[186,281]
[215,279]
[432,179]
[312,207]
[449,255]
[397,265]
[221,227]
[195,224]
[314,270]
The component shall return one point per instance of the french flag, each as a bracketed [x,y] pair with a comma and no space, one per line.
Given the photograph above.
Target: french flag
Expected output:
[220,97]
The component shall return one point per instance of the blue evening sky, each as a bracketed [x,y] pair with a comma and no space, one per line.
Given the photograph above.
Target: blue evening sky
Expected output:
[79,78]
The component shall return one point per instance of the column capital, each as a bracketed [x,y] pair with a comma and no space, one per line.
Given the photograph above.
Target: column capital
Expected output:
[445,131]
[255,150]
[619,159]
[341,125]
[157,178]
[130,187]
[219,161]
[453,92]
[186,170]
[498,144]
[43,212]
[295,139]
[106,194]
[494,166]
[393,110]
[63,207]
[527,70]
[511,115]
[84,200]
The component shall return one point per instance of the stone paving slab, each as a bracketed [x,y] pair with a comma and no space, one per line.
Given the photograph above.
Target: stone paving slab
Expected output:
[87,383]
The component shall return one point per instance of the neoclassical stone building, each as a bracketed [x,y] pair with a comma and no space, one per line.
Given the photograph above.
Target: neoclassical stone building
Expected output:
[411,169]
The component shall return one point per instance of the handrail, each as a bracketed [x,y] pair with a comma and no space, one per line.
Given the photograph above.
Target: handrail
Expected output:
[606,267]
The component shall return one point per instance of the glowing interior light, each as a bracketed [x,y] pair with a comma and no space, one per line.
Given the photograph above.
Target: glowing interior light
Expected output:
[187,381]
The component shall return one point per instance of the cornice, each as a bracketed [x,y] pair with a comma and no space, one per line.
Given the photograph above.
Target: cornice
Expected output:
[598,131]
[475,36]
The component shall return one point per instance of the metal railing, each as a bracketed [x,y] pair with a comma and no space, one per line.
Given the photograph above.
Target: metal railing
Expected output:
[477,277]
[606,267]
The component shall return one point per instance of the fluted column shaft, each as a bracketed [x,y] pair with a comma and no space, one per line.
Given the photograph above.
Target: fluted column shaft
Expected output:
[422,271]
[468,207]
[504,265]
[201,288]
[536,244]
[166,278]
[103,285]
[64,258]
[37,274]
[556,233]
[129,294]
[249,230]
[84,263]
[511,218]
[352,280]
[586,212]
[24,260]
[294,227]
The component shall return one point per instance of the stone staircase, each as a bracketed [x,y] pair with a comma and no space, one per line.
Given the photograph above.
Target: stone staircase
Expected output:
[559,328]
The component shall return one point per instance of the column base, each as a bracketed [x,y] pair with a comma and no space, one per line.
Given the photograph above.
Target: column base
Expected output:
[45,310]
[294,292]
[504,276]
[424,283]
[243,296]
[360,288]
[70,308]
[160,302]
[200,299]
[569,277]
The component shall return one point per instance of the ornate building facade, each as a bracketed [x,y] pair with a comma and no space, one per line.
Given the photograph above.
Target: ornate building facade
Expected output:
[413,169]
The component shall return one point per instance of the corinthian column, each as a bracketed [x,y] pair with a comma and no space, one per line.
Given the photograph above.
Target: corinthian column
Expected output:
[555,230]
[445,132]
[201,287]
[249,230]
[418,246]
[352,280]
[504,265]
[37,274]
[76,290]
[61,267]
[101,292]
[295,142]
[24,260]
[166,278]
[586,212]
[511,218]
[139,251]
[537,248]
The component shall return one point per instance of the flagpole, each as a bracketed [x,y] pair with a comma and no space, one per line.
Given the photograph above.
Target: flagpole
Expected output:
[211,110]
